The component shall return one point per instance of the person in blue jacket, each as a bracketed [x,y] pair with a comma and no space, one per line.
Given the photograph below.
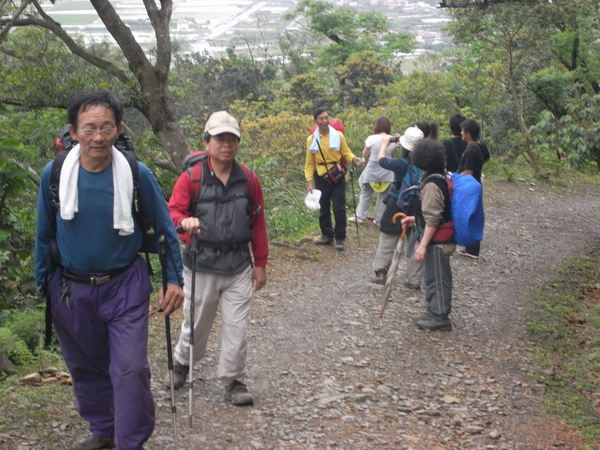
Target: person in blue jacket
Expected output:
[99,286]
[471,162]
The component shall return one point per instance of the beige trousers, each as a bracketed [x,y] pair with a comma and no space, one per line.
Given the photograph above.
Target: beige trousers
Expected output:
[385,253]
[234,293]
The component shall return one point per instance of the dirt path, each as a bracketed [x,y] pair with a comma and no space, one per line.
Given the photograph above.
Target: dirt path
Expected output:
[326,372]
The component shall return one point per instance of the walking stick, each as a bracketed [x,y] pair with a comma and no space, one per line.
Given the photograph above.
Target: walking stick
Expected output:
[354,204]
[192,310]
[391,274]
[162,253]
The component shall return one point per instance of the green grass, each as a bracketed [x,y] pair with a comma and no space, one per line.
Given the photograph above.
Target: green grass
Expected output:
[46,414]
[563,319]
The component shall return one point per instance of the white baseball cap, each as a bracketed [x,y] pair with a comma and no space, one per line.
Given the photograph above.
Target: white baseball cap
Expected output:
[222,122]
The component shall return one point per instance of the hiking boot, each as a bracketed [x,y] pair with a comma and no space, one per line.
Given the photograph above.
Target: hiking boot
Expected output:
[339,245]
[180,376]
[416,287]
[467,254]
[237,393]
[378,277]
[422,316]
[435,324]
[324,240]
[93,442]
[355,219]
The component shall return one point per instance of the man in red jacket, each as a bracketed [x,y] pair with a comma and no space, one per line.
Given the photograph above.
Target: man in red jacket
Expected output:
[225,216]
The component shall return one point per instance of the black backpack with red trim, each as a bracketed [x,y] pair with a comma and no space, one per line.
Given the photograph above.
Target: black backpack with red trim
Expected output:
[193,163]
[444,233]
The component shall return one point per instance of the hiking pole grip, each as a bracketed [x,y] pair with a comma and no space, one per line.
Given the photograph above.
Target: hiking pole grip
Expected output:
[48,313]
[162,255]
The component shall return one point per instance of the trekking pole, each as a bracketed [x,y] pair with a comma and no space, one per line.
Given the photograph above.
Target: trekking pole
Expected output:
[391,274]
[354,204]
[192,308]
[162,253]
[48,314]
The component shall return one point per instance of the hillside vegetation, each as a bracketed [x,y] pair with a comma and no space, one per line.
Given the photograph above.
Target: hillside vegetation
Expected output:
[530,80]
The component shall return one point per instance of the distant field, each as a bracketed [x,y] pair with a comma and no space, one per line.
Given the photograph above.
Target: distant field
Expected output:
[211,25]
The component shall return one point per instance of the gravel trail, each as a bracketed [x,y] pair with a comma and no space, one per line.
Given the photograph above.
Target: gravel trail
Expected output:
[326,372]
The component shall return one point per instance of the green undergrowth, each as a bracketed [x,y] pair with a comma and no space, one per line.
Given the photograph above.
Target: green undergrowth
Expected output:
[563,319]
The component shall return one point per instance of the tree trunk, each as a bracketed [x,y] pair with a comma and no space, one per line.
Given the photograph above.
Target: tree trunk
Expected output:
[158,109]
[518,105]
[156,104]
[5,364]
[150,95]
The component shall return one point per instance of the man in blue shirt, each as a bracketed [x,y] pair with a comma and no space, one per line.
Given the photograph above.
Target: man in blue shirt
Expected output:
[100,287]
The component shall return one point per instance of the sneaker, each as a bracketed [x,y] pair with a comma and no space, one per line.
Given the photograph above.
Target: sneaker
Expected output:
[416,287]
[237,393]
[324,240]
[93,442]
[180,376]
[355,219]
[463,252]
[339,245]
[435,324]
[378,277]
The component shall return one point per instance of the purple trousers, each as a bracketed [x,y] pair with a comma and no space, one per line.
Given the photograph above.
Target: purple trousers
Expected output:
[104,340]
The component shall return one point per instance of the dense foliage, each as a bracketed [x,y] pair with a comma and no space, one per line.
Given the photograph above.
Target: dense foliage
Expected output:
[531,80]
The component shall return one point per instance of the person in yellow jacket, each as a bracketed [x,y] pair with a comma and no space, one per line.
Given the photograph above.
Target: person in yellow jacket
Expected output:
[326,148]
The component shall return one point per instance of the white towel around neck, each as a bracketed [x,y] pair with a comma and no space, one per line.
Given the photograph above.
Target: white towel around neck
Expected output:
[334,140]
[122,185]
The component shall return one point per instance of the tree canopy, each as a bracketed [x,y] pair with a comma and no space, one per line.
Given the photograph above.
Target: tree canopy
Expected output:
[144,81]
[349,31]
[529,79]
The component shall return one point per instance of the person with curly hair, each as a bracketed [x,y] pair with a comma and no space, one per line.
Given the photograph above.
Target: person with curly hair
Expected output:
[432,221]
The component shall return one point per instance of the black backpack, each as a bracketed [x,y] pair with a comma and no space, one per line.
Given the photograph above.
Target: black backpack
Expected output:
[64,142]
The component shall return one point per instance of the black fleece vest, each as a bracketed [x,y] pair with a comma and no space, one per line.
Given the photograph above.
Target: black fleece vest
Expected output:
[225,225]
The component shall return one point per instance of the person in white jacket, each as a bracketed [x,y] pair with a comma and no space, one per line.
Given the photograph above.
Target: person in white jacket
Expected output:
[374,179]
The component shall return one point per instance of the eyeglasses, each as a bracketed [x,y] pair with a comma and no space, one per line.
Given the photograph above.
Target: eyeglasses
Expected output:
[103,131]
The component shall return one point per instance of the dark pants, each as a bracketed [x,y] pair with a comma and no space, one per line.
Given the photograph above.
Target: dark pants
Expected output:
[438,282]
[336,195]
[104,339]
[473,249]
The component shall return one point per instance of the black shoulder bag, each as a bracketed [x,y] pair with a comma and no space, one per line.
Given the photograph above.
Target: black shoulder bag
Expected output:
[336,173]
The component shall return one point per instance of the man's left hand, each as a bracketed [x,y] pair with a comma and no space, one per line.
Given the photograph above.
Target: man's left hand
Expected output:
[259,277]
